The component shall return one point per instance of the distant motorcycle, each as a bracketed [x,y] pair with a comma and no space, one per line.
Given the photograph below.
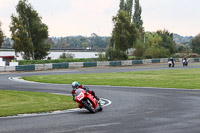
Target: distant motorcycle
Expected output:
[87,101]
[170,64]
[185,62]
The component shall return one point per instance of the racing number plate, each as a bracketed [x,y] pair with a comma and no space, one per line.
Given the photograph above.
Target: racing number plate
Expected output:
[80,96]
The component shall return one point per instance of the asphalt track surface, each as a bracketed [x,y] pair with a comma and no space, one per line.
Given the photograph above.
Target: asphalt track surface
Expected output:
[133,110]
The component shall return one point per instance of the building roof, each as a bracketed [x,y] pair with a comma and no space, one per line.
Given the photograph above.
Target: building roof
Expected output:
[7,56]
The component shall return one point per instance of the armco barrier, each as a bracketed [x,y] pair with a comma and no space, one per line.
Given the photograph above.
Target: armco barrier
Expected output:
[25,68]
[2,68]
[30,67]
[126,63]
[196,59]
[178,59]
[48,66]
[60,65]
[43,66]
[146,61]
[163,60]
[75,64]
[103,63]
[10,68]
[39,67]
[191,60]
[136,62]
[89,64]
[20,68]
[115,63]
[155,60]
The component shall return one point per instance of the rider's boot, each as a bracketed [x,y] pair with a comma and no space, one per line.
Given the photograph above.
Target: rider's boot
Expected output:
[97,98]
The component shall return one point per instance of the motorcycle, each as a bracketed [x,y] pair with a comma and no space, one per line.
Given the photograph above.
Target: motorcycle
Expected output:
[170,64]
[185,62]
[87,101]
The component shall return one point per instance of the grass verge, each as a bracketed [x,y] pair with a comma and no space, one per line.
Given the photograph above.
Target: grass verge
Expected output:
[179,78]
[20,102]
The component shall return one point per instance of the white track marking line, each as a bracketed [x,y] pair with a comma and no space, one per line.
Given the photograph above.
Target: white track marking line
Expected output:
[99,125]
[42,114]
[17,79]
[91,126]
[109,102]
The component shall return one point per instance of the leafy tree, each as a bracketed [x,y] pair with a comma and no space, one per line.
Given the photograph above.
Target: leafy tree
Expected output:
[152,39]
[167,41]
[137,15]
[97,42]
[1,36]
[125,33]
[156,52]
[196,44]
[28,32]
[22,43]
[115,54]
[183,48]
[85,45]
[122,5]
[94,41]
[138,20]
[139,49]
[128,7]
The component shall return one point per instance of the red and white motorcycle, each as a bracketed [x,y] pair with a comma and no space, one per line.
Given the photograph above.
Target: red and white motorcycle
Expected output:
[88,101]
[185,62]
[171,64]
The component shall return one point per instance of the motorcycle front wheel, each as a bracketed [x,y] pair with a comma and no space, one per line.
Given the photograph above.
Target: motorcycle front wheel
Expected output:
[88,105]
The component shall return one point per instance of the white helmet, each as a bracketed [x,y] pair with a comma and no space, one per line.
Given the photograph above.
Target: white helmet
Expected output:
[75,85]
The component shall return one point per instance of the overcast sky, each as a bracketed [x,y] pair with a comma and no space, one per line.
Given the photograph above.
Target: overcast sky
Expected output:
[84,17]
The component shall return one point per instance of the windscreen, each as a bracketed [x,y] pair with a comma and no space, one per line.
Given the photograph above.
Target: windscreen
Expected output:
[78,91]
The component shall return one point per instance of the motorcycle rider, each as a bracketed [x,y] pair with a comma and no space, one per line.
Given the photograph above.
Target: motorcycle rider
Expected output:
[172,60]
[185,61]
[76,86]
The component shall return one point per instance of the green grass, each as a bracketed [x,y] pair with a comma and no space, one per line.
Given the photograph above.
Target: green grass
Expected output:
[180,78]
[20,102]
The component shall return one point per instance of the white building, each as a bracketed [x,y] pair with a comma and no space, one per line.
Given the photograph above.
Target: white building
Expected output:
[8,61]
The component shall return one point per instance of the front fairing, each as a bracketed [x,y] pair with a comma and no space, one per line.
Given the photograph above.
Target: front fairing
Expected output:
[81,94]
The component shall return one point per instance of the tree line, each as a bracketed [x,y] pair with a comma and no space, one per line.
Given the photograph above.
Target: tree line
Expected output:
[73,42]
[69,42]
[99,42]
